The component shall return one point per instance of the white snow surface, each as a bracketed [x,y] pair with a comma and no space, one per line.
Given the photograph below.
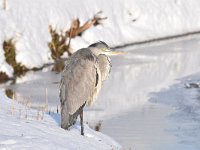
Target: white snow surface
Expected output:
[128,21]
[20,129]
[123,104]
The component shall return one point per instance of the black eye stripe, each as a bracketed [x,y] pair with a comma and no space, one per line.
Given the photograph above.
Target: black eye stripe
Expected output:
[99,43]
[104,43]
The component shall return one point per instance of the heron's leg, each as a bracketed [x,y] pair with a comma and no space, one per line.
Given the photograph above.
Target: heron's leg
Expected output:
[81,119]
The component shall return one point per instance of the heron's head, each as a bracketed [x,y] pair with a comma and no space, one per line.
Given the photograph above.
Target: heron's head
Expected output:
[102,48]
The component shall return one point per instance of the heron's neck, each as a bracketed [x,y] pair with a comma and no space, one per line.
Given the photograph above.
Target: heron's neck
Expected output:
[95,51]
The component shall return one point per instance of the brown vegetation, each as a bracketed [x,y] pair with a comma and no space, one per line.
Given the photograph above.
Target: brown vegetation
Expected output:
[9,93]
[4,4]
[98,126]
[3,77]
[76,29]
[10,54]
[60,43]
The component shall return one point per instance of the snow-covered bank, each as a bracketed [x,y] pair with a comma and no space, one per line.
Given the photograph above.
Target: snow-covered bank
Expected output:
[124,98]
[21,130]
[128,21]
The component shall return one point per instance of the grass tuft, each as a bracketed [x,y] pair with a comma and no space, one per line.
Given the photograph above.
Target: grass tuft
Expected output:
[10,55]
[58,44]
[98,126]
[4,4]
[3,77]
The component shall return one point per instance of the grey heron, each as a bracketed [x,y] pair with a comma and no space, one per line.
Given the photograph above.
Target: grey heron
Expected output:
[81,81]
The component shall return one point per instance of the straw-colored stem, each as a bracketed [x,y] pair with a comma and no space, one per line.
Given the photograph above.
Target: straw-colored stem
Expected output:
[4,4]
[46,100]
[38,114]
[12,104]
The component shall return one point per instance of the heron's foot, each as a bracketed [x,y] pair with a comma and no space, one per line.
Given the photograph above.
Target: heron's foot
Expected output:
[82,133]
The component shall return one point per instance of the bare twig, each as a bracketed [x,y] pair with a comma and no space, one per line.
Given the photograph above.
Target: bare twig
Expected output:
[38,114]
[12,104]
[42,116]
[46,100]
[76,29]
[4,4]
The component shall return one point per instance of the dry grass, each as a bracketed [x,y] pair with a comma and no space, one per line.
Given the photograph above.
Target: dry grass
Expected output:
[10,55]
[46,100]
[12,104]
[58,66]
[98,126]
[3,77]
[60,42]
[4,4]
[26,109]
[76,29]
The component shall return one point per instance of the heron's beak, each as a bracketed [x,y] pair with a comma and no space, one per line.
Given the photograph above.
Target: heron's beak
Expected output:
[113,53]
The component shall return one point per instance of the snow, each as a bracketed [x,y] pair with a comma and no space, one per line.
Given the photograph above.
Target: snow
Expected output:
[20,129]
[128,21]
[123,105]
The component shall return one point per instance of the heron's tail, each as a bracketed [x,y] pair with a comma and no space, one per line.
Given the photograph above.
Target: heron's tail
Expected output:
[67,119]
[64,117]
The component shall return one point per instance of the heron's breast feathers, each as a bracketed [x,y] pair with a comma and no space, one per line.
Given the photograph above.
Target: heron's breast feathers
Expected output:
[104,66]
[98,84]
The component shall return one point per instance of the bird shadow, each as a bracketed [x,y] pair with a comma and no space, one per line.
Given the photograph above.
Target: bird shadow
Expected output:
[56,117]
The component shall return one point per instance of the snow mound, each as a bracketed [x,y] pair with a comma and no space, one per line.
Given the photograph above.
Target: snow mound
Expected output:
[21,130]
[128,21]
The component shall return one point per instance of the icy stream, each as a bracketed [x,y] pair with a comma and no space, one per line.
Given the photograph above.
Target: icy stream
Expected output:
[140,103]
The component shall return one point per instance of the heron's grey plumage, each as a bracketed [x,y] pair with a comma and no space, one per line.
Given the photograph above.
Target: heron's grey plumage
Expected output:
[104,66]
[81,81]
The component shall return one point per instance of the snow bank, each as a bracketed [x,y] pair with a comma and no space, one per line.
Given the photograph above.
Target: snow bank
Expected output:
[128,21]
[21,132]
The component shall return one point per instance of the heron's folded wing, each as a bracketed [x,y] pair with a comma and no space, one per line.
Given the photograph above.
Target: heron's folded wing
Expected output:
[78,83]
